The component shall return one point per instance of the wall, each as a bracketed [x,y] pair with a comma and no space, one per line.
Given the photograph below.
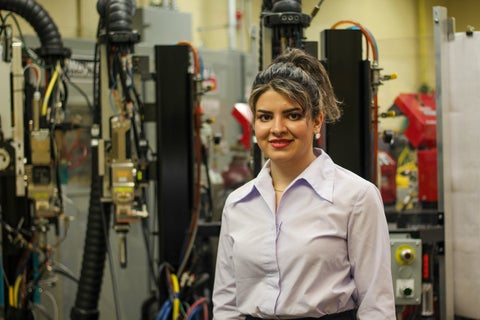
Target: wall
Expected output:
[403,31]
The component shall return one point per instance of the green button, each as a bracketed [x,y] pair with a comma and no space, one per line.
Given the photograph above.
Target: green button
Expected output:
[407,291]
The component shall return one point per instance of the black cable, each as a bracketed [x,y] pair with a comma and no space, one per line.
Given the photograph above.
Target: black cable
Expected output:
[94,251]
[151,265]
[209,182]
[123,79]
[65,274]
[141,108]
[64,98]
[112,269]
[79,90]
[96,87]
[56,168]
[128,99]
[136,138]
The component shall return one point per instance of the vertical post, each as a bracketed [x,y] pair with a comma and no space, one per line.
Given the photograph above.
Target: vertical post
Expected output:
[440,26]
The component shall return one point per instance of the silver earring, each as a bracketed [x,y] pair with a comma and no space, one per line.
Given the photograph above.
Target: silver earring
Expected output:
[317,136]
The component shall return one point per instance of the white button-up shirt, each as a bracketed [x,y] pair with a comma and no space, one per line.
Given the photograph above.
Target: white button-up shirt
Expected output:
[324,249]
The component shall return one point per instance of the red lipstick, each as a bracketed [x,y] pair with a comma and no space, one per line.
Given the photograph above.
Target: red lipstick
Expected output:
[280,143]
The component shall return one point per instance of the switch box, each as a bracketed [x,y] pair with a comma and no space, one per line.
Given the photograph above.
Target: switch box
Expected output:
[406,260]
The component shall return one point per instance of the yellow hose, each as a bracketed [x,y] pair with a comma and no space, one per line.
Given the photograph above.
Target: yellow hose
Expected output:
[16,289]
[49,90]
[11,300]
[176,299]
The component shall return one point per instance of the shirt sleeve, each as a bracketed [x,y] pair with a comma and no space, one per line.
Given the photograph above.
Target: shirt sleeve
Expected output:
[224,290]
[369,254]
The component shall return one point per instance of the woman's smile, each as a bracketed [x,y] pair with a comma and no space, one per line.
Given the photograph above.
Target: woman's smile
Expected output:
[280,143]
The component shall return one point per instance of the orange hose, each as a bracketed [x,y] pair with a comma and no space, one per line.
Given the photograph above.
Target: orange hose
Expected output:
[364,31]
[198,153]
[195,55]
[197,123]
[375,138]
[198,302]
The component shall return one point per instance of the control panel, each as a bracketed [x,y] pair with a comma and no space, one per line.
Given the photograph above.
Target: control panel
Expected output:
[406,257]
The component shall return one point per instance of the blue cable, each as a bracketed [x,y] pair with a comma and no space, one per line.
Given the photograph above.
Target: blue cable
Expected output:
[195,313]
[164,311]
[371,36]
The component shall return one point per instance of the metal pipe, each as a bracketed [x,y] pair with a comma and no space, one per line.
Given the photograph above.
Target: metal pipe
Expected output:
[232,25]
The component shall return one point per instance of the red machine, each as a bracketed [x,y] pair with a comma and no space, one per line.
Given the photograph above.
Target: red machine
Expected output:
[420,109]
[388,171]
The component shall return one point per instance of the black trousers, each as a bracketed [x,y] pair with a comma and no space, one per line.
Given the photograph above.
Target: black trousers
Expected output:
[345,315]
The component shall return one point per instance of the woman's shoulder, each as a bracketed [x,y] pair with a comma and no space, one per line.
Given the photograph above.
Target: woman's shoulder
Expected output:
[351,180]
[341,175]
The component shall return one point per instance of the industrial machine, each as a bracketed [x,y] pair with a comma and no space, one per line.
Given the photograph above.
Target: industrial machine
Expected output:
[119,148]
[417,225]
[421,133]
[33,115]
[35,155]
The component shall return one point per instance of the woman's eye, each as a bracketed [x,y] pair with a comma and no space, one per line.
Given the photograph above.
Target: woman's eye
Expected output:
[295,116]
[264,117]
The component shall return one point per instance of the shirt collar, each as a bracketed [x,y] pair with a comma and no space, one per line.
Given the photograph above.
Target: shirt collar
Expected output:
[319,175]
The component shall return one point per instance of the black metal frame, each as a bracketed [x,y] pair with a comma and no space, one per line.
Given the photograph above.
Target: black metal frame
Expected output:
[349,141]
[174,119]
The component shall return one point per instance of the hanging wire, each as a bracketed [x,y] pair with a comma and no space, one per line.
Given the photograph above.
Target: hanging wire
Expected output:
[37,73]
[42,310]
[197,189]
[176,297]
[200,304]
[50,87]
[112,269]
[79,90]
[31,54]
[151,265]
[53,302]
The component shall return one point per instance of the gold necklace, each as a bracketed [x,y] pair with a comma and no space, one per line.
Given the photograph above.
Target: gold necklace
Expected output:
[278,190]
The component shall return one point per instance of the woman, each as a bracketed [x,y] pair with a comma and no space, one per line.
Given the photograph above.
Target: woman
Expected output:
[305,239]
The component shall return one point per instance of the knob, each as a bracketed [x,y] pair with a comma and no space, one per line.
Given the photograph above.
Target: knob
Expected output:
[407,255]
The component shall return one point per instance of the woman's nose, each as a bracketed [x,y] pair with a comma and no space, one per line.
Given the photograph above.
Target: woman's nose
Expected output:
[278,125]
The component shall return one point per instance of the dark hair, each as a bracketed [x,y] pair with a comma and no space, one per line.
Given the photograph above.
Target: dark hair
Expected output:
[301,78]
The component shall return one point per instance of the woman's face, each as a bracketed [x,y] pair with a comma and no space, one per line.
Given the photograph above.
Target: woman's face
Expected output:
[284,133]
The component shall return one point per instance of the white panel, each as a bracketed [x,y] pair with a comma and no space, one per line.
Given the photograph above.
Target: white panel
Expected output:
[463,113]
[5,102]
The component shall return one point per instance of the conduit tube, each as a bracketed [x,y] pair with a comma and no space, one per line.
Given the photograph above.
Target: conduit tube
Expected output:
[88,292]
[42,23]
[117,17]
